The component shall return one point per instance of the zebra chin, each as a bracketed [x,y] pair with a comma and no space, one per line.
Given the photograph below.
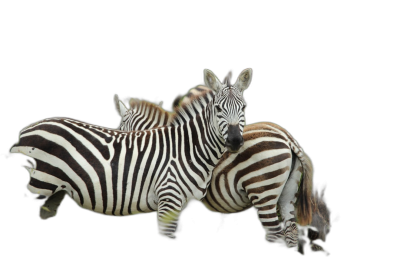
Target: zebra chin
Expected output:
[234,147]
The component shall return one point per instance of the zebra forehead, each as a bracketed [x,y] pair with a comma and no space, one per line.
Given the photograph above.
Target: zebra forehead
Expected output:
[231,95]
[230,92]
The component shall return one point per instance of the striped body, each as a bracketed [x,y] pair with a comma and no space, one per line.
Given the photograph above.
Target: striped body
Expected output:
[113,172]
[119,172]
[265,171]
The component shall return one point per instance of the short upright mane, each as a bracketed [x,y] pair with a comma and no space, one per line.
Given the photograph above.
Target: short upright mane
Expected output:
[138,104]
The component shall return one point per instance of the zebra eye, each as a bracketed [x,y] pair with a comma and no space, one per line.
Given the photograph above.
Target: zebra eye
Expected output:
[218,108]
[244,106]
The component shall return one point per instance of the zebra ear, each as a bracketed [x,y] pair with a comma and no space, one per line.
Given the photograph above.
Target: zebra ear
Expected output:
[121,109]
[211,81]
[244,79]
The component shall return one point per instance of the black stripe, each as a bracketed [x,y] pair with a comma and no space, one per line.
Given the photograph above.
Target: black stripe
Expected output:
[114,171]
[256,201]
[269,224]
[265,176]
[42,185]
[127,165]
[172,132]
[267,216]
[262,189]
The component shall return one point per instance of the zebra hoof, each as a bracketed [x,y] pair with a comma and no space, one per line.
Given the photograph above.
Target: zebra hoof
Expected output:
[171,236]
[291,244]
[291,235]
[273,237]
[49,208]
[315,248]
[168,236]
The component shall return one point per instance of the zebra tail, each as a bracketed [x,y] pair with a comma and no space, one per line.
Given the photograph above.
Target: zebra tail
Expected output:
[304,207]
[321,217]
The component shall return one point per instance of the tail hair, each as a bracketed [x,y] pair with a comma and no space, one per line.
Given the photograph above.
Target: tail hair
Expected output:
[321,215]
[304,207]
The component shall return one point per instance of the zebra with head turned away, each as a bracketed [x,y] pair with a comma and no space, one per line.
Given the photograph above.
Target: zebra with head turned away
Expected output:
[119,173]
[267,171]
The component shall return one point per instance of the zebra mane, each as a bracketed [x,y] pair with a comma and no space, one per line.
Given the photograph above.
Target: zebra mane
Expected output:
[142,106]
[139,105]
[187,111]
[195,92]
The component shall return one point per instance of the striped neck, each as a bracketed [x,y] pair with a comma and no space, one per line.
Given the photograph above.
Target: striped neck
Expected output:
[215,139]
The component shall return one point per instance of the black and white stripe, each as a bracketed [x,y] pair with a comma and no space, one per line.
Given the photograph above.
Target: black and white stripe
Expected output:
[119,173]
[141,115]
[266,174]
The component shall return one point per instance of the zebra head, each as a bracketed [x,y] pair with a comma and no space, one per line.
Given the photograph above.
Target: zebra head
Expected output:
[229,106]
[125,113]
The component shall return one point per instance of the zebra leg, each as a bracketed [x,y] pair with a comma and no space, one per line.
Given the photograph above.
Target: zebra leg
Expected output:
[263,191]
[268,217]
[49,208]
[286,203]
[169,211]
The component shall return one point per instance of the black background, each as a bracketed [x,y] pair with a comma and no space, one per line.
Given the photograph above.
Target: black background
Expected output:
[302,79]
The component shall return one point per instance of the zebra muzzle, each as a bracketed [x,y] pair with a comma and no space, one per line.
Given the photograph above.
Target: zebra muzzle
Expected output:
[234,141]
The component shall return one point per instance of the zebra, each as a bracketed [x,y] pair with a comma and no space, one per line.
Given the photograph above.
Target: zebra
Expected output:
[267,144]
[142,115]
[128,172]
